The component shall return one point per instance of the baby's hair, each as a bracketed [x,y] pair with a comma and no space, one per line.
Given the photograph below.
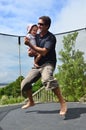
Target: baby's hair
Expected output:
[34,25]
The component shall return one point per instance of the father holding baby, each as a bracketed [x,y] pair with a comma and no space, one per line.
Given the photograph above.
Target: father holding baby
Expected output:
[45,46]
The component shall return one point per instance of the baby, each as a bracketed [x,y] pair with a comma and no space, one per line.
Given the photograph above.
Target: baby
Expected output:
[32,31]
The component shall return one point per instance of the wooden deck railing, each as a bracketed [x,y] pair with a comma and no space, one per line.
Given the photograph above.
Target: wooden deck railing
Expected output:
[44,96]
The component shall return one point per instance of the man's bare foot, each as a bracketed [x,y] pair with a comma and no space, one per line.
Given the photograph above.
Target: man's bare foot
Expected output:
[63,109]
[28,105]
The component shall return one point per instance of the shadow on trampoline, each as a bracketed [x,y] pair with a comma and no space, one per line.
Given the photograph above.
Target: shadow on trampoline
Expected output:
[44,112]
[73,113]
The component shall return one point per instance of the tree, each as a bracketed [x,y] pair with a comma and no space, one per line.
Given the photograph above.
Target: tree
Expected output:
[13,88]
[72,72]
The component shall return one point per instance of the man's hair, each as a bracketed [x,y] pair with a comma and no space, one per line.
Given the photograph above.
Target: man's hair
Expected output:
[46,20]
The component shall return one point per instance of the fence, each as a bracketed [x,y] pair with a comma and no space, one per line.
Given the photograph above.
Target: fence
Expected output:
[14,60]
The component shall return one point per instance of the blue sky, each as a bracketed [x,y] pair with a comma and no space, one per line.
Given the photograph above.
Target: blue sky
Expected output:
[66,15]
[15,15]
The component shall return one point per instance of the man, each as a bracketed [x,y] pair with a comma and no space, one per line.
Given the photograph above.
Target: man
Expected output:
[46,42]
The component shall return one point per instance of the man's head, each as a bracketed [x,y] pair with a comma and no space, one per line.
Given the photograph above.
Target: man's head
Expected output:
[44,22]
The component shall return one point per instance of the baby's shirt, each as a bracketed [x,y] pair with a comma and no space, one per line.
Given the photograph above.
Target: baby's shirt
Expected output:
[31,38]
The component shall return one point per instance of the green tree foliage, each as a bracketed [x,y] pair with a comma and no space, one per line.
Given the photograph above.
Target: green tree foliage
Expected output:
[36,86]
[12,89]
[72,72]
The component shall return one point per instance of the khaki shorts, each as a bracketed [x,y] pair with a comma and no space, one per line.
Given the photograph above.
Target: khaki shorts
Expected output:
[45,73]
[47,77]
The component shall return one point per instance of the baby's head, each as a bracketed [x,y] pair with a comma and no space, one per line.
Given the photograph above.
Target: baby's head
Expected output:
[32,29]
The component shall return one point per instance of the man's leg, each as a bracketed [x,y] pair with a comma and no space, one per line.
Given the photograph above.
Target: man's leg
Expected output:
[26,86]
[47,78]
[30,102]
[63,108]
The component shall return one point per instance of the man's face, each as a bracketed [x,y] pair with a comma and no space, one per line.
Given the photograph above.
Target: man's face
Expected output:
[41,26]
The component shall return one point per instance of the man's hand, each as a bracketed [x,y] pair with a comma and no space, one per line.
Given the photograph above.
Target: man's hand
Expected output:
[26,41]
[42,51]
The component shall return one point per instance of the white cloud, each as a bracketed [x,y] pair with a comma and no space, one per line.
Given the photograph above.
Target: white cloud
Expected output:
[66,15]
[71,17]
[15,15]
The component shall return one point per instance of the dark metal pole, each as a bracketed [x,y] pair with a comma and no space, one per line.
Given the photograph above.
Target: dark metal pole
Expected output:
[19,43]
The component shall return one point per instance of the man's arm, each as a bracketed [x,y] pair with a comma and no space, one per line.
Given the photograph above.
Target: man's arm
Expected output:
[42,51]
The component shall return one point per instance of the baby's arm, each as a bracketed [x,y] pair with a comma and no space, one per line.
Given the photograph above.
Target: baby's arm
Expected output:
[31,52]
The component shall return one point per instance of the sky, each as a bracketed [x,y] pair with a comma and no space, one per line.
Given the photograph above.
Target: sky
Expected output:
[15,15]
[66,15]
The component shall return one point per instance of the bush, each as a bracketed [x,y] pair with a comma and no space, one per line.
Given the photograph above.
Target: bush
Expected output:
[10,100]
